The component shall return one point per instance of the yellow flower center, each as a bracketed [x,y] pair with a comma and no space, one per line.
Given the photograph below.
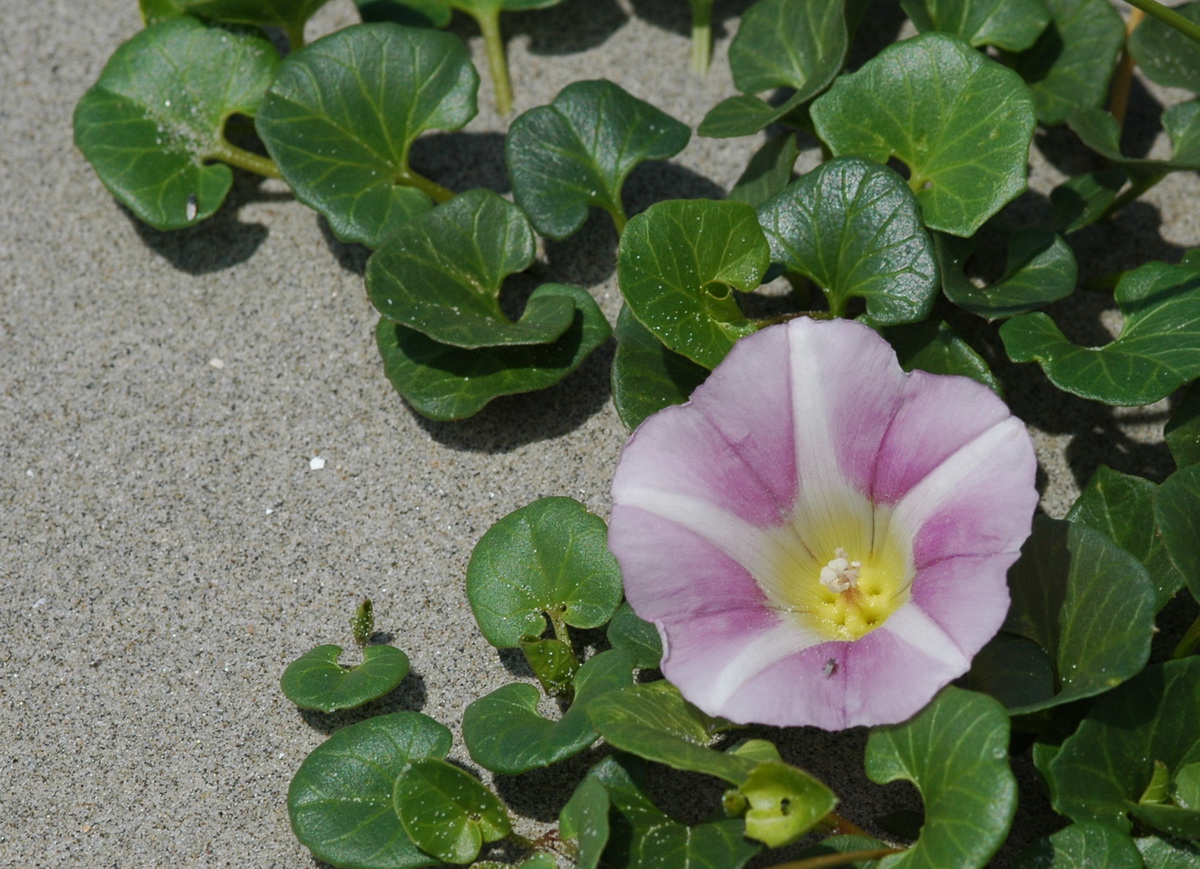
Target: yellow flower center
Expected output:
[839,567]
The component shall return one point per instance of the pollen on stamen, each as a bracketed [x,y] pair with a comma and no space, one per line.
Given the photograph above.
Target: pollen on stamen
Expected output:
[840,574]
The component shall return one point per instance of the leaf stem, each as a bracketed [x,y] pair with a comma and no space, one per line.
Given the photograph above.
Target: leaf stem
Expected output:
[1123,77]
[243,159]
[295,38]
[1131,193]
[701,35]
[618,218]
[561,633]
[489,26]
[1189,642]
[430,188]
[1169,17]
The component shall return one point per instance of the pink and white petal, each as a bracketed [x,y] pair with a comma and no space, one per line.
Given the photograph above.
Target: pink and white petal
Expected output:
[751,546]
[805,689]
[674,573]
[746,400]
[939,415]
[894,671]
[977,501]
[846,386]
[718,662]
[679,450]
[967,596]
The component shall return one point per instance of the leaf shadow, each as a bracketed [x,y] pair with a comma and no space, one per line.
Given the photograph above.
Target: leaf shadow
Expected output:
[462,161]
[677,17]
[512,421]
[567,28]
[219,242]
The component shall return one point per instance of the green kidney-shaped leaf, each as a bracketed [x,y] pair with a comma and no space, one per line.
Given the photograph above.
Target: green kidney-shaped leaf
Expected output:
[340,800]
[1041,269]
[410,13]
[1167,56]
[646,376]
[1087,603]
[960,122]
[343,112]
[1177,513]
[1008,24]
[1070,65]
[854,228]
[316,681]
[505,734]
[547,558]
[655,722]
[679,262]
[1104,767]
[642,837]
[1013,669]
[1157,352]
[155,119]
[955,751]
[441,274]
[578,151]
[1124,509]
[447,811]
[445,382]
[779,44]
[1082,846]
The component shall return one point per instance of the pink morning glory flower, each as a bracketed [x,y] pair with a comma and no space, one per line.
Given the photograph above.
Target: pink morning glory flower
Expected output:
[819,537]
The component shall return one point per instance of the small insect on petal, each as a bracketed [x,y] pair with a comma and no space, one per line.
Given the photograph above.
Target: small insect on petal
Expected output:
[193,207]
[830,668]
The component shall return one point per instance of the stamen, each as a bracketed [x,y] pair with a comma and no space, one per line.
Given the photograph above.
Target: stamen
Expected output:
[840,574]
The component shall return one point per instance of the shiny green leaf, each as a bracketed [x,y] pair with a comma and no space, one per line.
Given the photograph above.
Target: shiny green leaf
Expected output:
[504,732]
[638,638]
[779,44]
[553,663]
[1087,603]
[448,812]
[445,382]
[441,274]
[1177,513]
[343,112]
[577,152]
[768,172]
[642,837]
[960,122]
[548,558]
[1086,198]
[1007,24]
[785,803]
[315,680]
[854,228]
[288,15]
[646,376]
[1040,269]
[584,820]
[955,751]
[1166,56]
[152,132]
[1070,65]
[1100,132]
[1157,352]
[655,722]
[1123,508]
[1082,846]
[933,346]
[1167,853]
[1104,767]
[679,263]
[1182,431]
[340,800]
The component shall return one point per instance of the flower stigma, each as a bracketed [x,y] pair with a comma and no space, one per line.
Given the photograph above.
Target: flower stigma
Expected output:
[845,597]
